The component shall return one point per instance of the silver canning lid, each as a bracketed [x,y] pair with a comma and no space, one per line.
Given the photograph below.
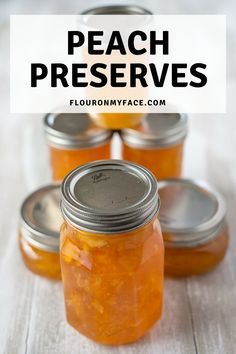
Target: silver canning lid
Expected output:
[41,219]
[117,10]
[110,196]
[89,21]
[157,130]
[191,213]
[71,130]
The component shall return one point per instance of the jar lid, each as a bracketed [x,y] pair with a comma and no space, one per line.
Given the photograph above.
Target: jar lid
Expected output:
[109,196]
[41,218]
[117,10]
[192,212]
[71,130]
[157,130]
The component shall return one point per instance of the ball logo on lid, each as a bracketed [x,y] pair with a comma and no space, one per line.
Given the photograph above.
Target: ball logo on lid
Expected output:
[99,177]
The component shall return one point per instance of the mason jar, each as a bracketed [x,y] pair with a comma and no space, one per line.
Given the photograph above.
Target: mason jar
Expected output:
[112,254]
[74,140]
[157,143]
[39,231]
[116,120]
[194,227]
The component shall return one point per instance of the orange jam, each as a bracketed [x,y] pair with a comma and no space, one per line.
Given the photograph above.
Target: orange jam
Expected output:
[64,161]
[157,143]
[117,121]
[39,261]
[73,141]
[39,232]
[199,259]
[194,229]
[111,254]
[163,162]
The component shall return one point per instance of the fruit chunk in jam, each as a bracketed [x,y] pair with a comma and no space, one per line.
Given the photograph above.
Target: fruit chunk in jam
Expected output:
[113,283]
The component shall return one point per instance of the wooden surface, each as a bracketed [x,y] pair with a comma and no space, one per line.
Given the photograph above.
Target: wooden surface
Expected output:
[199,313]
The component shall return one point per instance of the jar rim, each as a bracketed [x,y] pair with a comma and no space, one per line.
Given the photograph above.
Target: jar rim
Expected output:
[73,130]
[97,197]
[156,131]
[117,10]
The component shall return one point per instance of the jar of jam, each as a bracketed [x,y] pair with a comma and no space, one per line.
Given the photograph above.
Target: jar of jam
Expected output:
[40,223]
[195,233]
[119,119]
[73,141]
[111,251]
[157,143]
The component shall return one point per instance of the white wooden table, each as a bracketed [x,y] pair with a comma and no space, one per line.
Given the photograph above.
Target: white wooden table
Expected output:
[199,313]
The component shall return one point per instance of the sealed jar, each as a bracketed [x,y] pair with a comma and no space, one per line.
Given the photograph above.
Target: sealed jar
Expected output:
[157,143]
[117,120]
[195,233]
[73,141]
[111,251]
[39,233]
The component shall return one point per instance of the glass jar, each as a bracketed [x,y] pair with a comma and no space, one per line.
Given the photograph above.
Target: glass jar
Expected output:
[195,233]
[111,251]
[73,141]
[157,143]
[39,232]
[118,120]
